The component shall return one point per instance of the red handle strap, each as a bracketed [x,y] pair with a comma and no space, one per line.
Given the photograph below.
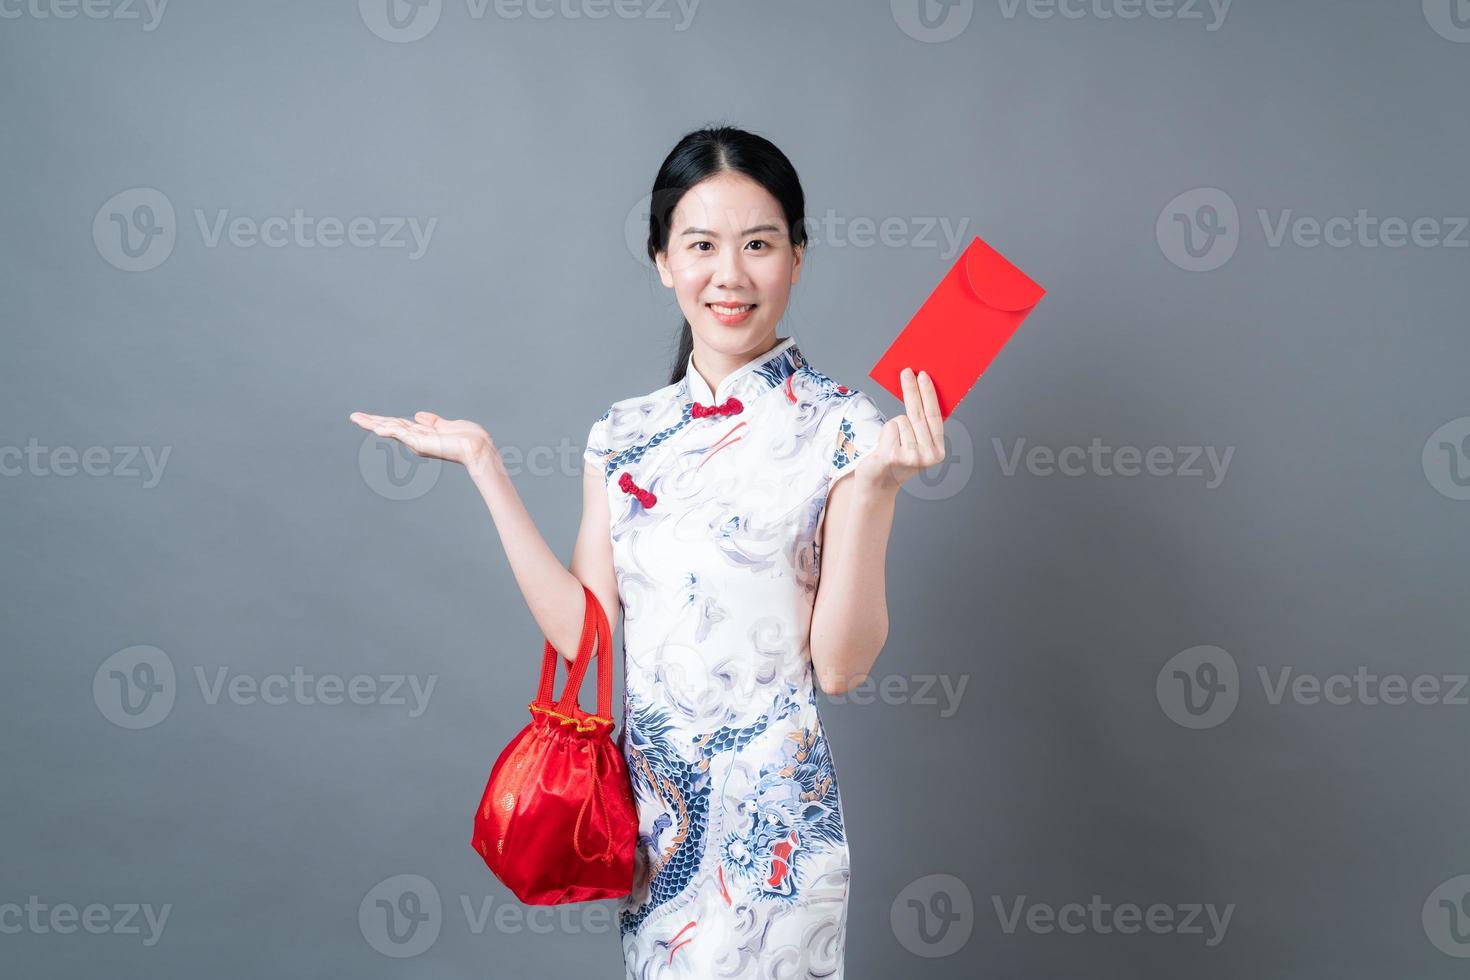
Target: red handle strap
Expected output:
[596,640]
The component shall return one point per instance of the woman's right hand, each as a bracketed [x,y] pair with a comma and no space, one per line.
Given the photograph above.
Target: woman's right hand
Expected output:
[428,435]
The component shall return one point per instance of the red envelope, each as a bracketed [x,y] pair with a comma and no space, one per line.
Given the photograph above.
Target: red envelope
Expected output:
[961,326]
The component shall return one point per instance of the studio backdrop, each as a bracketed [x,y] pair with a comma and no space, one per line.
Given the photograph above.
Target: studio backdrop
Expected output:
[1176,677]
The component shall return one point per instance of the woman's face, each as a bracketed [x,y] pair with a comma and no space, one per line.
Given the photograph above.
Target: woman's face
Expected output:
[729,247]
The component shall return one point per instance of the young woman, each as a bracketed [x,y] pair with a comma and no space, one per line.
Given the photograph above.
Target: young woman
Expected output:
[712,508]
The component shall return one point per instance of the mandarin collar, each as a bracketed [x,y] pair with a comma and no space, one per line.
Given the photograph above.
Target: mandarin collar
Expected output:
[749,379]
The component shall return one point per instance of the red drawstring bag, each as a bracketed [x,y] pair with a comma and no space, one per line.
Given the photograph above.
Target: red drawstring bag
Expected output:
[557,823]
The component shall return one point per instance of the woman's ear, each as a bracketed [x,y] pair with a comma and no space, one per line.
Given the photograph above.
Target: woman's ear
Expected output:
[661,259]
[796,265]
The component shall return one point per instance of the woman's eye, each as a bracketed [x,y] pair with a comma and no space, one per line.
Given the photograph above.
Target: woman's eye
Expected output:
[759,241]
[696,245]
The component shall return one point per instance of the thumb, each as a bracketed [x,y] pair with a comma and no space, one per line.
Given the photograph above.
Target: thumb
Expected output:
[428,418]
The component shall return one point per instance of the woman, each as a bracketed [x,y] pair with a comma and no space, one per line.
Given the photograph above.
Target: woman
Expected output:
[711,508]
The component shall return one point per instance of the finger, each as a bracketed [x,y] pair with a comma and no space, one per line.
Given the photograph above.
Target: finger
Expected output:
[392,428]
[913,408]
[932,414]
[428,418]
[906,438]
[365,417]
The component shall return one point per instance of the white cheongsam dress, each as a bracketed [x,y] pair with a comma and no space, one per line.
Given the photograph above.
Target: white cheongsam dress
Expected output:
[717,501]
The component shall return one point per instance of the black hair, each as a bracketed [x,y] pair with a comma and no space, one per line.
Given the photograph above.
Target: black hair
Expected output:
[705,153]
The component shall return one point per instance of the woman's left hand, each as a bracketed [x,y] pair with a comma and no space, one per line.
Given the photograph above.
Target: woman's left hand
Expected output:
[908,442]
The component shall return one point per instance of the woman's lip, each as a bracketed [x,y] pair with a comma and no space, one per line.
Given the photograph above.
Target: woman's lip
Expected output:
[730,319]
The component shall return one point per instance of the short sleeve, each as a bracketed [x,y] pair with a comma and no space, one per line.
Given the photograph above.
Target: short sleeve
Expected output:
[857,433]
[599,449]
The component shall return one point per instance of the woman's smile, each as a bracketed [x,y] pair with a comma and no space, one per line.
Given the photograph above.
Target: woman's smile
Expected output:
[730,314]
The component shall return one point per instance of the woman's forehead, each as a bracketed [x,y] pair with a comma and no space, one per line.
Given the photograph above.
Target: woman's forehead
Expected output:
[728,206]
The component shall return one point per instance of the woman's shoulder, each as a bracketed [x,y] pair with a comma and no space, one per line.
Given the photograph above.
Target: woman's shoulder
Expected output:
[837,401]
[643,405]
[632,419]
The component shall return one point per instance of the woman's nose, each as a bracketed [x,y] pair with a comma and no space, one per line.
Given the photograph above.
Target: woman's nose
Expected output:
[730,269]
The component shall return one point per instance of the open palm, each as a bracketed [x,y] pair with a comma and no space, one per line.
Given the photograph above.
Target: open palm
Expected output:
[428,435]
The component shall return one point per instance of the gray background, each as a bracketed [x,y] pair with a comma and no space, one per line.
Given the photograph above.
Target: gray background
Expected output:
[1334,543]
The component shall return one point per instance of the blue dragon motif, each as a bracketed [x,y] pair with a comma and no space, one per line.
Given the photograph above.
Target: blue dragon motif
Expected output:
[794,810]
[662,776]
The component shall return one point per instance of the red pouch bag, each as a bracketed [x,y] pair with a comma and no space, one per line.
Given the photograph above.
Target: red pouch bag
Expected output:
[557,823]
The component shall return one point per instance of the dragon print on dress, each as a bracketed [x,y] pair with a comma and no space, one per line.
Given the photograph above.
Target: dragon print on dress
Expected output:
[662,778]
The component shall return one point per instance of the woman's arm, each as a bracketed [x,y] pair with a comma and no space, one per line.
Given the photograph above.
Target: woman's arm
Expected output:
[850,615]
[552,592]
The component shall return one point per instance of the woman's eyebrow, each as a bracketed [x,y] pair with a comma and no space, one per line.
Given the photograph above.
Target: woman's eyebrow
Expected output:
[748,231]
